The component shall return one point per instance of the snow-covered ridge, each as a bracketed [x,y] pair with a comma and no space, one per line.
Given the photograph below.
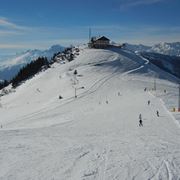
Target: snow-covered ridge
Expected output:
[93,64]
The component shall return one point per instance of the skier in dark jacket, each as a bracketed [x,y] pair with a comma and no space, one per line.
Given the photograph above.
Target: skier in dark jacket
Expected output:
[140,116]
[157,113]
[140,120]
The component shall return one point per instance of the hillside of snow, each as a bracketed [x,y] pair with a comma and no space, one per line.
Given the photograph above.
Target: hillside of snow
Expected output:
[10,66]
[96,135]
[170,64]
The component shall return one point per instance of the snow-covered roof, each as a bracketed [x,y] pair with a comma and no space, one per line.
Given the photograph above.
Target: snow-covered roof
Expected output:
[102,38]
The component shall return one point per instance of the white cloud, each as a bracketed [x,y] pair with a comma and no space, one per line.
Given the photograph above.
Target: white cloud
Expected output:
[151,35]
[10,30]
[5,23]
[11,46]
[125,4]
[4,33]
[41,44]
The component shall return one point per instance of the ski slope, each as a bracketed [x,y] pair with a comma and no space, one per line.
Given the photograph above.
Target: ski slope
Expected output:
[97,134]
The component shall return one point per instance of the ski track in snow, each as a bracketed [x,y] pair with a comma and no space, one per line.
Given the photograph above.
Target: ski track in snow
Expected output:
[98,84]
[97,141]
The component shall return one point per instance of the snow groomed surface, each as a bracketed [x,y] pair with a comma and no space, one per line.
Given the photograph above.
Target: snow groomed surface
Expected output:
[97,134]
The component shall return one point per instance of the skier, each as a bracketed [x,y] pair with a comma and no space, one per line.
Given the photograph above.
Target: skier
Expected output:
[145,89]
[157,113]
[60,97]
[149,102]
[75,72]
[140,117]
[140,120]
[38,90]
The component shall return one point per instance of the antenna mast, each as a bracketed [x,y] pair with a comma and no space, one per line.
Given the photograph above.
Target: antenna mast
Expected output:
[179,99]
[89,34]
[155,83]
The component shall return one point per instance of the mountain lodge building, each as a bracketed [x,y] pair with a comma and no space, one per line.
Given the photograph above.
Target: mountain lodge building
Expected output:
[100,42]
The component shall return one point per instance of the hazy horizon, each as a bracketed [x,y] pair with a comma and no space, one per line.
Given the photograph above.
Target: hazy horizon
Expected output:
[40,24]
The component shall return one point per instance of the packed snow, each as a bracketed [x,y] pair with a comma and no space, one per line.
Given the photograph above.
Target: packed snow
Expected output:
[97,134]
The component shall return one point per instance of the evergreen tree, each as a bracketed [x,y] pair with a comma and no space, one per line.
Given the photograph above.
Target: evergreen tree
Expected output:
[30,70]
[4,84]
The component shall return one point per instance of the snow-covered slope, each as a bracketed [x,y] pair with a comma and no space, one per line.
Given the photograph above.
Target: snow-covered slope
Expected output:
[10,66]
[96,135]
[170,64]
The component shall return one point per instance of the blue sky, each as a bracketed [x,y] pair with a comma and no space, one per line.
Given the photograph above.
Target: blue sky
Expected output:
[30,24]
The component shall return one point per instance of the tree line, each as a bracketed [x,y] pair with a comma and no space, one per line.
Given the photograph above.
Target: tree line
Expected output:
[3,84]
[26,72]
[30,70]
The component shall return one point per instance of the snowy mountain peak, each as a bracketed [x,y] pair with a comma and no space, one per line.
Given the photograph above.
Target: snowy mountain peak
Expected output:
[56,48]
[10,66]
[172,49]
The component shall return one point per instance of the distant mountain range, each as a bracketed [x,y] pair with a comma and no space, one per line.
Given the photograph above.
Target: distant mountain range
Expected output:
[137,48]
[10,66]
[171,49]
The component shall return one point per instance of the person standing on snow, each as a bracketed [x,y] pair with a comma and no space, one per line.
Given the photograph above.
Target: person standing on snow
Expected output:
[140,120]
[157,113]
[149,102]
[140,116]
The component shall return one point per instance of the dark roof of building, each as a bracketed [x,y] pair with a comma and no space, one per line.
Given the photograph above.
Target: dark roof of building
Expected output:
[103,38]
